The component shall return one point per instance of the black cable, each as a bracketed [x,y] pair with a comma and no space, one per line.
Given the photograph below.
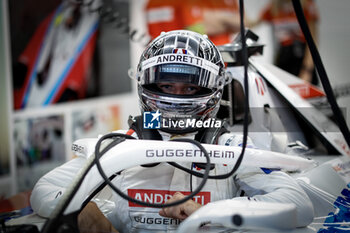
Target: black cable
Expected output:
[246,108]
[191,188]
[82,2]
[321,71]
[246,87]
[98,154]
[50,225]
[96,192]
[112,144]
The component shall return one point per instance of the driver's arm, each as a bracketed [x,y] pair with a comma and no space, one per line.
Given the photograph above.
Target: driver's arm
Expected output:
[277,187]
[91,219]
[48,191]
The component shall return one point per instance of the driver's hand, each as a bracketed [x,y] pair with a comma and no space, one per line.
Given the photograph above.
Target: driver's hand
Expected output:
[179,211]
[91,219]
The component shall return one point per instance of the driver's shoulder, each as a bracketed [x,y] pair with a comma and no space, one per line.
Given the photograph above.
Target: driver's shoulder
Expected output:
[234,139]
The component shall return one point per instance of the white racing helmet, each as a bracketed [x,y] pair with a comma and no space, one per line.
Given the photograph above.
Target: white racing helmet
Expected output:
[181,57]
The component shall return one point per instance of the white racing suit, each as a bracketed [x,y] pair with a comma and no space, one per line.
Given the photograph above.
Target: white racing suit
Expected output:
[157,184]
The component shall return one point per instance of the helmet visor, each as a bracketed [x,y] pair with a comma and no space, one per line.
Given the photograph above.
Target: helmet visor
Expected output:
[202,73]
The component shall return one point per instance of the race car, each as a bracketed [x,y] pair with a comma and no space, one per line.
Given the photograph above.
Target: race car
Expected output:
[304,142]
[57,64]
[291,134]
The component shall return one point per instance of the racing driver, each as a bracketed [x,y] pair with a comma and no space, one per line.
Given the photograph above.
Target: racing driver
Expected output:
[181,76]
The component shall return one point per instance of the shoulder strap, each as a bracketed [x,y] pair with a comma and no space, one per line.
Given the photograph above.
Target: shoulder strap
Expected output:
[210,136]
[136,124]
